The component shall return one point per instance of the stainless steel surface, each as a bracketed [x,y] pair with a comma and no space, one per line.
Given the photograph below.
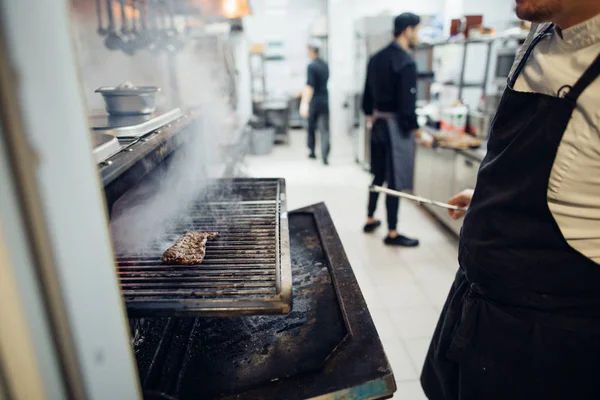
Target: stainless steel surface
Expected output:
[136,101]
[423,171]
[371,34]
[466,169]
[491,101]
[418,199]
[505,57]
[247,269]
[441,173]
[128,126]
[105,146]
[479,124]
[442,177]
[477,154]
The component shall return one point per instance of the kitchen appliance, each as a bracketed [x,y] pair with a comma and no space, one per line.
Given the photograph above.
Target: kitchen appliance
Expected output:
[132,126]
[129,101]
[371,34]
[273,308]
[247,268]
[479,124]
[505,58]
[105,146]
[423,56]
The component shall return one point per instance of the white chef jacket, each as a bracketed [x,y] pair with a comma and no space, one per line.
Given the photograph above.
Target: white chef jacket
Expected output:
[574,187]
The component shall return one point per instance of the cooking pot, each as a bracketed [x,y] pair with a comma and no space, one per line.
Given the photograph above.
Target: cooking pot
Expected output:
[129,100]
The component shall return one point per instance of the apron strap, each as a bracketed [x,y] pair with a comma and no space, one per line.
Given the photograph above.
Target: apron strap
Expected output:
[586,80]
[538,38]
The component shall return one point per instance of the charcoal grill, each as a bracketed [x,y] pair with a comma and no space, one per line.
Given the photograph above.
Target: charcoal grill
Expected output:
[246,271]
[325,347]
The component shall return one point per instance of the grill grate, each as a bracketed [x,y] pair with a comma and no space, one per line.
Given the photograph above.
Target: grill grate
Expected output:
[247,268]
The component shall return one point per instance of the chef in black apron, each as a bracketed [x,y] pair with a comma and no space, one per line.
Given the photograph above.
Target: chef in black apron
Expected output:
[390,100]
[522,320]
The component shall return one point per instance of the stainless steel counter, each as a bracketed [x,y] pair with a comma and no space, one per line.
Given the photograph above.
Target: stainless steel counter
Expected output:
[476,154]
[441,173]
[132,125]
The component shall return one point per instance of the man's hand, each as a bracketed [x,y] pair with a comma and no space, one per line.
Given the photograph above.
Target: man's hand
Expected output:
[462,200]
[424,138]
[369,121]
[304,107]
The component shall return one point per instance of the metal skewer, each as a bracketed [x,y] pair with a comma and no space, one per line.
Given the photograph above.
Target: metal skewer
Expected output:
[412,197]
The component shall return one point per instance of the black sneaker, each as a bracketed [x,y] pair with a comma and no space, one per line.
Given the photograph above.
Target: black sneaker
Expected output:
[372,226]
[325,162]
[313,156]
[401,241]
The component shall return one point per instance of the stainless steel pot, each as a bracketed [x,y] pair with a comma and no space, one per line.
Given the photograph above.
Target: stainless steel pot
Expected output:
[129,101]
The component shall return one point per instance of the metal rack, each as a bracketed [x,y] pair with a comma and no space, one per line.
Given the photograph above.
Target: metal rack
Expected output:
[247,268]
[258,81]
[463,83]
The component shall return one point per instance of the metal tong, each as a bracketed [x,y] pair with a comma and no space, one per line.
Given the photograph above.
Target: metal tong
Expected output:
[418,199]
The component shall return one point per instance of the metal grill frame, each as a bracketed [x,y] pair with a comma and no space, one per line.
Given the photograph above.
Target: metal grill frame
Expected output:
[280,303]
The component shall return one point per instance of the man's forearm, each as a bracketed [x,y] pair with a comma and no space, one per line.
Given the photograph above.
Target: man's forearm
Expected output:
[307,95]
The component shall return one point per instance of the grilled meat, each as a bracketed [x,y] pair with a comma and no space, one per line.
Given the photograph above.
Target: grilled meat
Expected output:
[189,249]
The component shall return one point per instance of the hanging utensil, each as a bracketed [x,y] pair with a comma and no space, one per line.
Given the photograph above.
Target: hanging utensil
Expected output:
[128,45]
[99,14]
[113,40]
[134,18]
[153,28]
[135,35]
[144,36]
[418,199]
[160,33]
[124,20]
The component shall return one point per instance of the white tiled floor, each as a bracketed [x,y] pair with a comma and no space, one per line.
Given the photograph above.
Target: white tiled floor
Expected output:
[405,289]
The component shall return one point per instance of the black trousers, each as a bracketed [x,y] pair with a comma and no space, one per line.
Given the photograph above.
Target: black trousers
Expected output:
[318,118]
[380,168]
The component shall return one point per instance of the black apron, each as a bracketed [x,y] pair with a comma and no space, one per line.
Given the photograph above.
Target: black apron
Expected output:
[522,320]
[400,168]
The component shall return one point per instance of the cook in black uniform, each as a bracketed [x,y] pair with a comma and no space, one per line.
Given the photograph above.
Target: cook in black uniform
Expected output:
[315,103]
[522,320]
[389,102]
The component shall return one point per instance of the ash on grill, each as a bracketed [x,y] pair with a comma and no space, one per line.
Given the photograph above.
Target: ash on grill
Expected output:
[246,269]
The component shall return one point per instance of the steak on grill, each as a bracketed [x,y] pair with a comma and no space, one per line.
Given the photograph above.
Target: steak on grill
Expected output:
[189,249]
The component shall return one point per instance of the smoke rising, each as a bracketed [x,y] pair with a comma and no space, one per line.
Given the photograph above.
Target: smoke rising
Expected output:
[144,218]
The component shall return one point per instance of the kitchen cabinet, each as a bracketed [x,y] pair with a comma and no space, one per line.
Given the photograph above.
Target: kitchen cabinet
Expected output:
[440,174]
[465,170]
[423,171]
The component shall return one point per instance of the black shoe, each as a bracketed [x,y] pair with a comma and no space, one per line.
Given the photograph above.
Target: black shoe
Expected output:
[313,156]
[372,226]
[401,241]
[325,162]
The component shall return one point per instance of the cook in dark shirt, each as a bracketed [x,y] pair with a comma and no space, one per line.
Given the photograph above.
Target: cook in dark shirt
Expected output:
[315,103]
[389,102]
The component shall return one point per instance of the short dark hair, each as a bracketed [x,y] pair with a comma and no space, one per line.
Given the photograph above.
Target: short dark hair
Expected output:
[404,21]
